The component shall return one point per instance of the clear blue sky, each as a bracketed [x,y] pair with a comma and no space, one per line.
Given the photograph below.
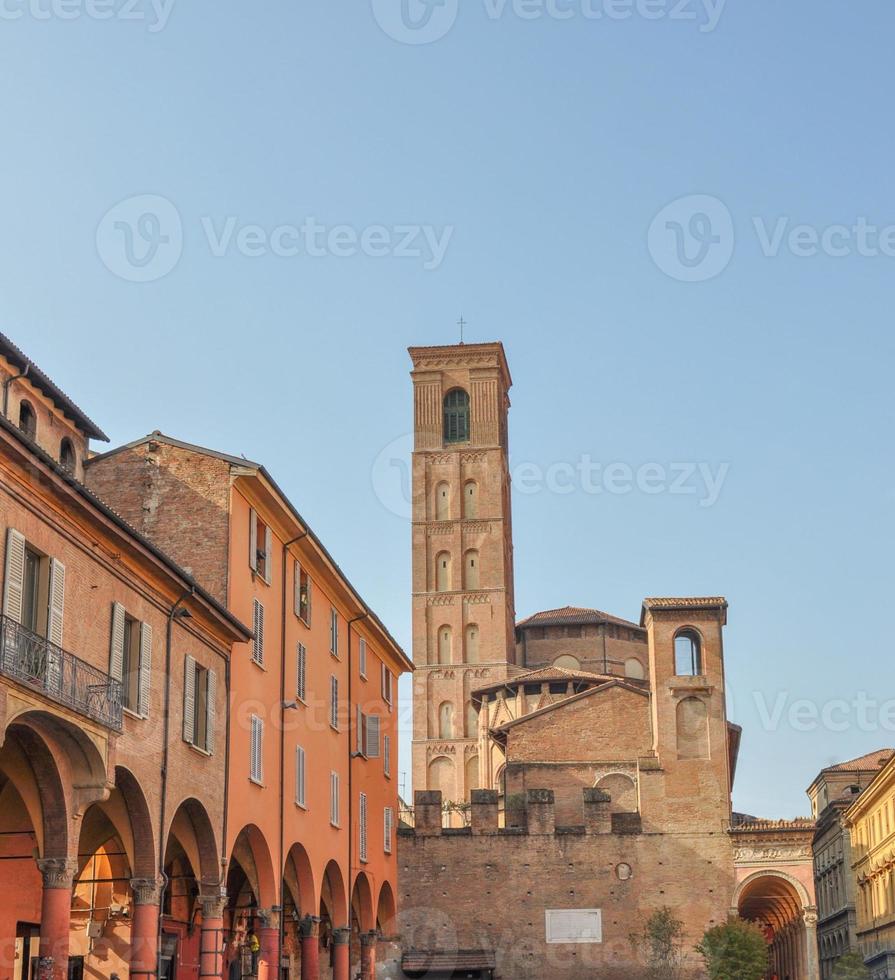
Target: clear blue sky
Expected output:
[547,147]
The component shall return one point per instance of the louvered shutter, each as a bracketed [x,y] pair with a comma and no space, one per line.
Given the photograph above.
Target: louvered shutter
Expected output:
[57,602]
[334,799]
[14,576]
[253,540]
[145,667]
[362,827]
[256,768]
[308,590]
[301,672]
[362,657]
[373,727]
[210,710]
[299,775]
[387,755]
[116,653]
[296,589]
[258,642]
[334,702]
[387,825]
[268,549]
[189,699]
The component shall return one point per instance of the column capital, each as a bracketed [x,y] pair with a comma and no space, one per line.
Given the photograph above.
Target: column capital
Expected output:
[341,937]
[309,926]
[369,938]
[146,891]
[57,872]
[270,918]
[212,898]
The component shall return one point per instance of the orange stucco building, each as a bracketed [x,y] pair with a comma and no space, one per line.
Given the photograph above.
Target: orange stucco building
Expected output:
[312,788]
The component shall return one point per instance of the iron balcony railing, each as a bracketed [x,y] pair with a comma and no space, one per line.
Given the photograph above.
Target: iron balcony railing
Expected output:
[34,661]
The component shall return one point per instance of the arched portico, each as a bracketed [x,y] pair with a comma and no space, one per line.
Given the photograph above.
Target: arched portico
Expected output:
[252,904]
[780,904]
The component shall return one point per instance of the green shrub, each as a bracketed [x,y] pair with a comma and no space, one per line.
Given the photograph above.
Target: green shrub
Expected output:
[660,945]
[850,967]
[737,950]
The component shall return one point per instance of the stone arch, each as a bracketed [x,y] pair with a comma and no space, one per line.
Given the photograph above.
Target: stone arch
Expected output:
[445,644]
[144,861]
[566,661]
[191,825]
[752,886]
[362,911]
[634,669]
[443,571]
[251,867]
[692,729]
[446,720]
[386,910]
[299,877]
[441,776]
[689,652]
[333,900]
[443,501]
[622,791]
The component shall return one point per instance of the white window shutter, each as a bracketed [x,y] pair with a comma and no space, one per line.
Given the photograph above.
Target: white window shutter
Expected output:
[189,699]
[387,824]
[299,775]
[387,755]
[301,672]
[256,767]
[116,653]
[334,702]
[14,576]
[362,656]
[57,602]
[362,827]
[373,726]
[296,589]
[210,710]
[258,642]
[253,540]
[145,667]
[334,798]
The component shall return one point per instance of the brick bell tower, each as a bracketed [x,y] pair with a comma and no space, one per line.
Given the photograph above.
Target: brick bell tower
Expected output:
[463,611]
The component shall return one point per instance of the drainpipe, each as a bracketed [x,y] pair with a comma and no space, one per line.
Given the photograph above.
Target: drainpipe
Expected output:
[177,612]
[351,757]
[8,382]
[281,932]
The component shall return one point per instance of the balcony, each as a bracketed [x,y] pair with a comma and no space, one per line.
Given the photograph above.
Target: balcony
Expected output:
[35,662]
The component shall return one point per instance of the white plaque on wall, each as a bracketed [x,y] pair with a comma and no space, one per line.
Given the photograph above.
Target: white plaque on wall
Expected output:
[574,925]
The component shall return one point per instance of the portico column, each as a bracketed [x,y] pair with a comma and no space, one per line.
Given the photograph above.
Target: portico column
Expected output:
[310,948]
[144,929]
[368,955]
[55,917]
[341,960]
[810,918]
[211,939]
[269,938]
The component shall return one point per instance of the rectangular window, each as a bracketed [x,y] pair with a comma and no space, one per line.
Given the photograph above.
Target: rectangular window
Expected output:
[334,632]
[256,761]
[362,827]
[388,823]
[302,595]
[334,799]
[199,695]
[258,641]
[373,728]
[362,657]
[334,702]
[130,659]
[259,546]
[33,589]
[386,685]
[387,755]
[301,672]
[300,777]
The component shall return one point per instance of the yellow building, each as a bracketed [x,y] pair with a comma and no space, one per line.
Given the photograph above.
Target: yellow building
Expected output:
[871,822]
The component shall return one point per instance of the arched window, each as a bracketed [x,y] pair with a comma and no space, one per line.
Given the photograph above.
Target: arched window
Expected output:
[471,570]
[634,669]
[472,774]
[27,420]
[446,720]
[622,792]
[445,638]
[442,502]
[442,572]
[456,416]
[687,654]
[471,499]
[441,776]
[472,722]
[472,643]
[67,455]
[567,662]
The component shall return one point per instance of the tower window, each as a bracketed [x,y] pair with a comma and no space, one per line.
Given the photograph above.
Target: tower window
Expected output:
[687,654]
[456,416]
[471,499]
[67,455]
[27,420]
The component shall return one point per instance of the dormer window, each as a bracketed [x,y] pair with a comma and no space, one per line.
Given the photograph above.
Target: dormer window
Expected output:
[687,654]
[456,416]
[27,420]
[67,455]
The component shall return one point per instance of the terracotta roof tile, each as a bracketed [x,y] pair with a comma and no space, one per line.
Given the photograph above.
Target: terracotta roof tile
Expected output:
[871,762]
[574,616]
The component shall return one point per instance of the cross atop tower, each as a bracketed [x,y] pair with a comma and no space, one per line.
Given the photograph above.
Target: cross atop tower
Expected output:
[461,323]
